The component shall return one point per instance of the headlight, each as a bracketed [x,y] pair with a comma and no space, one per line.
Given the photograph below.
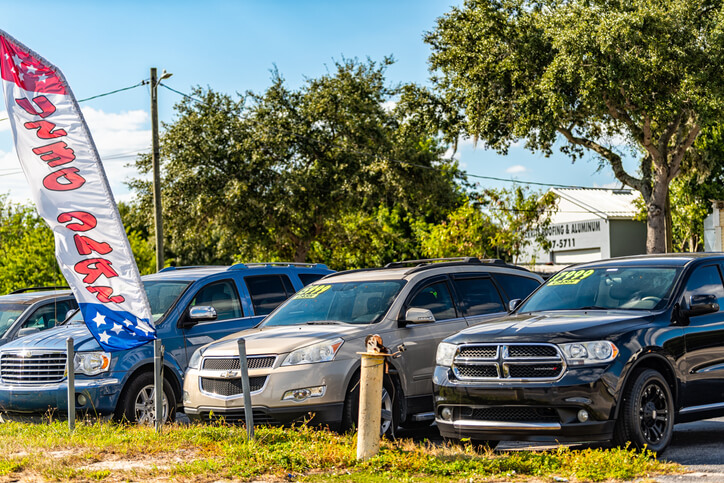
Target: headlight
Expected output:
[445,354]
[195,360]
[596,352]
[91,363]
[322,352]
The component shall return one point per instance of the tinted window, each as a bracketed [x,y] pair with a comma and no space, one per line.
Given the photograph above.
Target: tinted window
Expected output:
[268,291]
[49,315]
[705,281]
[436,298]
[308,278]
[516,287]
[162,295]
[478,296]
[222,296]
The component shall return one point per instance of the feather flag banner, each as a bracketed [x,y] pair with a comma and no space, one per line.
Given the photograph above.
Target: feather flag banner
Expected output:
[72,194]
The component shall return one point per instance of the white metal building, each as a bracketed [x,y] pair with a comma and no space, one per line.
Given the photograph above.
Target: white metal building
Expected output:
[588,225]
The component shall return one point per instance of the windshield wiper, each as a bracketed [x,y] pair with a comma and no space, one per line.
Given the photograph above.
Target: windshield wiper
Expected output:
[591,307]
[323,322]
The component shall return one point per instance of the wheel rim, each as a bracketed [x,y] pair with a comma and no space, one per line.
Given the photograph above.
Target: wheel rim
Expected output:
[145,406]
[654,413]
[386,421]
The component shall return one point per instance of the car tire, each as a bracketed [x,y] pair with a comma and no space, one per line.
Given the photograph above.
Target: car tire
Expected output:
[137,404]
[646,417]
[390,408]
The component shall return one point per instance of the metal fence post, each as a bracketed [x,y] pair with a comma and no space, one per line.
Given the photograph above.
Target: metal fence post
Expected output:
[71,382]
[246,389]
[158,383]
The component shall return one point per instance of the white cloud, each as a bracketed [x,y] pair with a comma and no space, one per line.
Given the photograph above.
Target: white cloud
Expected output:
[516,169]
[4,122]
[119,137]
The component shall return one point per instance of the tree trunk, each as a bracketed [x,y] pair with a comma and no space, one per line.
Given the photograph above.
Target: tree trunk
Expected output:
[656,223]
[300,253]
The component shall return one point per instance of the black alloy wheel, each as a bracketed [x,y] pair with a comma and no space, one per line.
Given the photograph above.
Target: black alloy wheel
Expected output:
[647,415]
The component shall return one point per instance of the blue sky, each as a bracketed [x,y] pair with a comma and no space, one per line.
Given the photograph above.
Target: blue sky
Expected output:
[230,46]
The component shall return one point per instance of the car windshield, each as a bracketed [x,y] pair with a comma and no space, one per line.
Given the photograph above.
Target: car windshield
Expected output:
[332,303]
[161,296]
[9,313]
[605,288]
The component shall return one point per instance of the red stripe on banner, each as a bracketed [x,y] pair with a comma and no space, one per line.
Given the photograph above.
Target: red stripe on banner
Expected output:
[26,71]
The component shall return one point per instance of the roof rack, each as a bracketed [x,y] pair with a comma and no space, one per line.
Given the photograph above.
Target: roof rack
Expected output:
[188,267]
[426,261]
[243,266]
[36,289]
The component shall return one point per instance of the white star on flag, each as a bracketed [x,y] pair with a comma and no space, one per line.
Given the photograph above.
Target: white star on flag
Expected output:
[17,59]
[99,319]
[104,336]
[31,69]
[116,328]
[128,323]
[142,326]
[21,76]
[42,78]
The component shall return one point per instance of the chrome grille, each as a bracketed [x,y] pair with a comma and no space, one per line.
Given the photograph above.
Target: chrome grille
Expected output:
[230,387]
[32,367]
[232,363]
[536,362]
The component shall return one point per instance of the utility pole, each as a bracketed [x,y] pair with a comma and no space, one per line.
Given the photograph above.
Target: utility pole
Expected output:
[156,163]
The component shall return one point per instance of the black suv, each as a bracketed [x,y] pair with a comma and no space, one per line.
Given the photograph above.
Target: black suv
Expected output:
[33,309]
[612,350]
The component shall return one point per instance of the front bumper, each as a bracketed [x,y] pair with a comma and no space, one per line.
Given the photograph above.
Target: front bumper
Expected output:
[531,411]
[271,384]
[99,396]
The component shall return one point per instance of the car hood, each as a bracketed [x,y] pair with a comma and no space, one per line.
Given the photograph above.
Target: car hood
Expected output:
[55,339]
[554,326]
[282,339]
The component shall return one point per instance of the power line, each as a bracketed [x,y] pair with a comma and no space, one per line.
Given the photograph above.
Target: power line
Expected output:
[103,95]
[470,175]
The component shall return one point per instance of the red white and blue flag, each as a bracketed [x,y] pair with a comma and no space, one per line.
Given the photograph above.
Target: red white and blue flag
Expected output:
[72,194]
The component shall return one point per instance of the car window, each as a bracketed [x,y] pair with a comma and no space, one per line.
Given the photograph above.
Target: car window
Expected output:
[163,294]
[705,281]
[516,287]
[436,298]
[364,302]
[48,316]
[637,288]
[9,313]
[308,278]
[478,296]
[268,291]
[223,297]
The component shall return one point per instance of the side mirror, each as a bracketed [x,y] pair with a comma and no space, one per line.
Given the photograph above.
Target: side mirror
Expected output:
[415,315]
[513,304]
[701,305]
[200,313]
[27,331]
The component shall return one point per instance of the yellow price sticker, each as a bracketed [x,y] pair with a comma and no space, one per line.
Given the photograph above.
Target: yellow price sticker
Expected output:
[571,277]
[311,291]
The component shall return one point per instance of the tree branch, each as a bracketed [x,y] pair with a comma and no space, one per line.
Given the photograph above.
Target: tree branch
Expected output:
[613,158]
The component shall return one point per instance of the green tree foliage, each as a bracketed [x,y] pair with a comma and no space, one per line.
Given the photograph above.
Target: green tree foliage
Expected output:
[591,72]
[327,172]
[467,231]
[27,249]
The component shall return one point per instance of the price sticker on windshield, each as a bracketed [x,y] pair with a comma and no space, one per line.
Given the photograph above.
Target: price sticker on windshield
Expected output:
[570,278]
[311,291]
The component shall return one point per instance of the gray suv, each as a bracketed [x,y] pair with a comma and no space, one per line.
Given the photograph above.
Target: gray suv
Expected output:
[303,360]
[30,310]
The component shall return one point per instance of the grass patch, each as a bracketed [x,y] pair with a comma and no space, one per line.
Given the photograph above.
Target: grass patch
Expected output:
[112,452]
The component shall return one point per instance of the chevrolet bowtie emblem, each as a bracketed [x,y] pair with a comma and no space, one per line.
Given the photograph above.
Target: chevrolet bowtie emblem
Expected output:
[229,374]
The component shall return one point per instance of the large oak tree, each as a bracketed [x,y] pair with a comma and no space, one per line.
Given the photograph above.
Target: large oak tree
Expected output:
[593,73]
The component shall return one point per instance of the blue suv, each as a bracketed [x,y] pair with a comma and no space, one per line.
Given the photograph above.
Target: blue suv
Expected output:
[191,306]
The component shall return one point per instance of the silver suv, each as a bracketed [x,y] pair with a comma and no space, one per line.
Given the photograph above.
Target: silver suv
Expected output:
[303,360]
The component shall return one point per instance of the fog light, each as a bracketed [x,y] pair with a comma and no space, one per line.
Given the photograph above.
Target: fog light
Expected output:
[186,397]
[82,400]
[303,393]
[583,415]
[446,414]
